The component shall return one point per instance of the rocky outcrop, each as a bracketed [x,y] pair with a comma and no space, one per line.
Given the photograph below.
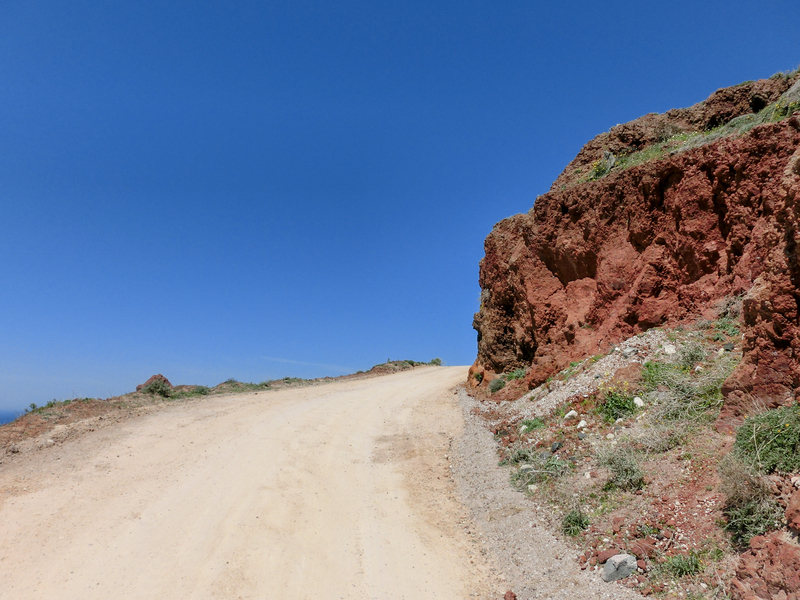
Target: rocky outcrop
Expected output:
[595,262]
[769,569]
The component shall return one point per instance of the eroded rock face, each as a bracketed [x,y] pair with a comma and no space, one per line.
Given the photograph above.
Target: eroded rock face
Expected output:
[656,244]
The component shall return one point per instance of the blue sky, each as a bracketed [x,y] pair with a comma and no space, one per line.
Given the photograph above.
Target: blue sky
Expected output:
[259,189]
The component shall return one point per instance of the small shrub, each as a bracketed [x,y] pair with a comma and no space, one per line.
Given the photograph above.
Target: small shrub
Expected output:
[230,380]
[617,403]
[531,424]
[478,377]
[683,564]
[436,362]
[201,390]
[158,388]
[497,384]
[515,374]
[539,470]
[746,521]
[770,441]
[658,439]
[626,474]
[574,522]
[749,506]
[727,326]
[691,354]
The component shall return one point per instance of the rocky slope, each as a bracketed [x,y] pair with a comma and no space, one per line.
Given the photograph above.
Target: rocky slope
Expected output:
[658,222]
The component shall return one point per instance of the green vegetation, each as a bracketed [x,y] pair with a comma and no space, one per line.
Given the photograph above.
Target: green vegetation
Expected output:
[748,520]
[497,384]
[574,522]
[531,424]
[478,377]
[691,394]
[750,509]
[515,374]
[158,388]
[681,565]
[770,441]
[436,362]
[726,326]
[673,140]
[617,403]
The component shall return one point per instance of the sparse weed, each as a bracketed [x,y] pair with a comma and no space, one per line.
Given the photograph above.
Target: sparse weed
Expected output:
[574,522]
[617,402]
[626,474]
[681,565]
[497,384]
[749,507]
[531,424]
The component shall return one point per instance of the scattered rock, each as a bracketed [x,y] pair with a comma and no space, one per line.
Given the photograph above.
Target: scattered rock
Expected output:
[581,436]
[509,595]
[618,566]
[13,449]
[544,455]
[582,424]
[770,569]
[604,555]
[669,349]
[628,352]
[570,415]
[555,447]
[638,401]
[728,347]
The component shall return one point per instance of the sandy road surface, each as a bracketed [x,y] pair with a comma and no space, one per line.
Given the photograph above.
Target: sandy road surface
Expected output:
[335,491]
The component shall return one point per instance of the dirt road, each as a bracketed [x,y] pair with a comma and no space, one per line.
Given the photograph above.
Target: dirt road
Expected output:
[335,491]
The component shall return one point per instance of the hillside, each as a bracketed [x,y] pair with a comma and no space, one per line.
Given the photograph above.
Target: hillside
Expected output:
[638,337]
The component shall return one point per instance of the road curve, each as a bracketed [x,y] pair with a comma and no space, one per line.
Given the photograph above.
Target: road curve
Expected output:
[333,491]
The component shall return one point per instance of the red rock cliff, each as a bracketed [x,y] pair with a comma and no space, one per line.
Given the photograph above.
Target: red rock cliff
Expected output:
[596,261]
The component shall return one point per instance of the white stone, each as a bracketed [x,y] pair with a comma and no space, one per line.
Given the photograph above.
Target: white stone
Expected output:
[669,349]
[638,401]
[610,436]
[570,415]
[582,424]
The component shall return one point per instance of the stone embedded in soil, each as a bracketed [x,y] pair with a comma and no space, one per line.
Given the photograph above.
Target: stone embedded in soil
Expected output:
[618,566]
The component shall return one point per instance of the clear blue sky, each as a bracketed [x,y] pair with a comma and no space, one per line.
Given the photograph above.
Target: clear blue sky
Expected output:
[259,189]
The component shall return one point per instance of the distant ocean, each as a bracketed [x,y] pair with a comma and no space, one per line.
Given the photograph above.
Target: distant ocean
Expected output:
[6,416]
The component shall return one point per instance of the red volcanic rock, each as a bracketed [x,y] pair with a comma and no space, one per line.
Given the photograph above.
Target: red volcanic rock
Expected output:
[793,512]
[770,569]
[509,595]
[596,262]
[158,377]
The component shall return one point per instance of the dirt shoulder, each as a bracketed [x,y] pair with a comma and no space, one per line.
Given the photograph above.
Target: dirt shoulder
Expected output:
[336,491]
